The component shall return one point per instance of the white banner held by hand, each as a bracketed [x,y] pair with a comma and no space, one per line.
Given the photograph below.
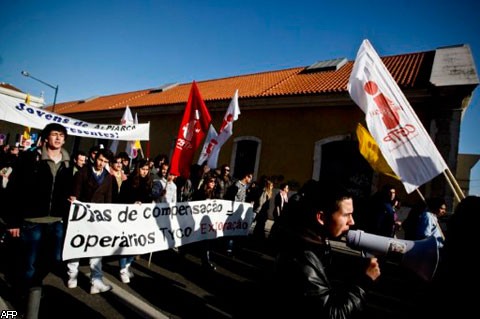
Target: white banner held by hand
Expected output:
[16,111]
[132,229]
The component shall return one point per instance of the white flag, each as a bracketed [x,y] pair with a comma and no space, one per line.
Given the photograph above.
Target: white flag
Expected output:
[214,142]
[127,119]
[208,145]
[403,140]
[136,146]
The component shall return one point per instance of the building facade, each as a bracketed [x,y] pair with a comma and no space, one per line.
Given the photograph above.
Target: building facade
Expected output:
[299,124]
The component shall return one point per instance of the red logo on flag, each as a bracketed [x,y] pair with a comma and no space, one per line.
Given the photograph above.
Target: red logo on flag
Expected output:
[390,116]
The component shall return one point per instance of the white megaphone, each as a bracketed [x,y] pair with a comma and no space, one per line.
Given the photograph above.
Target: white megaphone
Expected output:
[421,256]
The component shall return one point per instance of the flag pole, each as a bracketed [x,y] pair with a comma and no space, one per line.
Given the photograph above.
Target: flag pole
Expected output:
[147,149]
[150,259]
[451,186]
[455,183]
[421,195]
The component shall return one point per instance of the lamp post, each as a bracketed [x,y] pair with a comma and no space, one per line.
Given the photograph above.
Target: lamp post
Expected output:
[25,73]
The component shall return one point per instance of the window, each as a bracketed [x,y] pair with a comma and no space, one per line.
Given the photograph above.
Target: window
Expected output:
[245,155]
[338,160]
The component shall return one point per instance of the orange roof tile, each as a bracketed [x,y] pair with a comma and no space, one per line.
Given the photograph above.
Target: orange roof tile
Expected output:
[405,69]
[10,87]
[108,102]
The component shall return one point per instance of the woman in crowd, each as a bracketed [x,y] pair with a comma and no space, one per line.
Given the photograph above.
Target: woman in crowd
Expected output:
[137,189]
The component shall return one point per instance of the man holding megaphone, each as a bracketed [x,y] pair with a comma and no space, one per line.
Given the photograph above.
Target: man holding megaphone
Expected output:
[302,286]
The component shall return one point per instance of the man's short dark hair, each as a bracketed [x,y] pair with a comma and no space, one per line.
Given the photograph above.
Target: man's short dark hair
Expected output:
[53,127]
[106,153]
[435,203]
[79,153]
[124,155]
[244,173]
[313,197]
[94,149]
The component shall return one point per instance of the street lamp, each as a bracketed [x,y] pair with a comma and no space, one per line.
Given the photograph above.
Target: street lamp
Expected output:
[25,73]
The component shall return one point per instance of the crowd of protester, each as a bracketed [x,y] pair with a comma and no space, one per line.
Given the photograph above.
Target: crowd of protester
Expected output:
[51,179]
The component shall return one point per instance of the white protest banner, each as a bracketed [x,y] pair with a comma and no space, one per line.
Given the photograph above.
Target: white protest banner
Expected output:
[133,229]
[16,111]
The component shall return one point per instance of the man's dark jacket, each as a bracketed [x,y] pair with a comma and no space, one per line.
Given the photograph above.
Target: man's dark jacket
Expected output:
[35,191]
[302,285]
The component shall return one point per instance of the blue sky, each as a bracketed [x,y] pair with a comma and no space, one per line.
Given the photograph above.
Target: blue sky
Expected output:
[102,47]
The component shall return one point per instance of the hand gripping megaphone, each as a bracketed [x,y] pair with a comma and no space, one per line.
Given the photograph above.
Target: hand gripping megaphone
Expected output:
[420,256]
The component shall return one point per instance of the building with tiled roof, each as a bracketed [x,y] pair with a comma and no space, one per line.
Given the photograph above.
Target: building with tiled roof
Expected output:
[299,123]
[10,90]
[406,69]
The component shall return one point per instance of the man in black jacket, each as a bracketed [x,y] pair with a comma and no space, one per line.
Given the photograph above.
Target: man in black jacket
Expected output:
[302,280]
[41,184]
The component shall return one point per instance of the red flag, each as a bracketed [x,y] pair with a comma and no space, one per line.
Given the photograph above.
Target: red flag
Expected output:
[193,129]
